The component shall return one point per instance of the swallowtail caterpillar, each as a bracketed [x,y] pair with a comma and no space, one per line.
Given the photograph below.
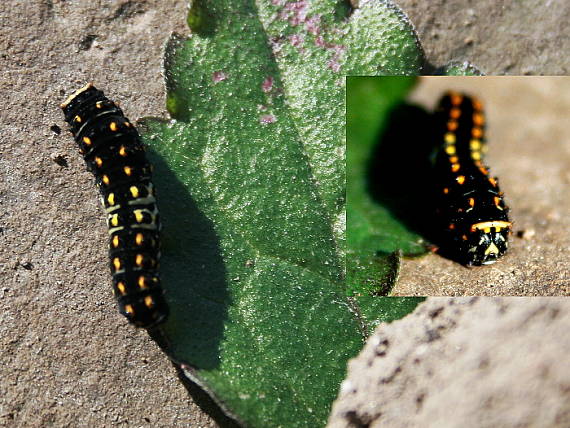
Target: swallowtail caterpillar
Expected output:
[113,151]
[470,207]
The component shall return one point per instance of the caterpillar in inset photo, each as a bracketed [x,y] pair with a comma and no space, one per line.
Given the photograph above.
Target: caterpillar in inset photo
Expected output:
[470,208]
[114,152]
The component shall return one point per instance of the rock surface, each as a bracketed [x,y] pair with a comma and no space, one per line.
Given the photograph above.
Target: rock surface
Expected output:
[463,362]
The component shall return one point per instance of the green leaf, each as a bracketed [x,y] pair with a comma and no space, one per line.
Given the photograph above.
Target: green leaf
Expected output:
[250,174]
[385,309]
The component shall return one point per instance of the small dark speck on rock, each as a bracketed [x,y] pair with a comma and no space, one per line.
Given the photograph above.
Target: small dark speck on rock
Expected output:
[526,234]
[129,9]
[86,43]
[60,160]
[27,265]
[55,129]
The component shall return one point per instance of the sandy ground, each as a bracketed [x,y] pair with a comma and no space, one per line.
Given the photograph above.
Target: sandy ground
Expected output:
[67,358]
[515,37]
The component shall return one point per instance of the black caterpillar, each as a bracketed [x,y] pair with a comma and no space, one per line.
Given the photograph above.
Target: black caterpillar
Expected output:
[470,207]
[113,151]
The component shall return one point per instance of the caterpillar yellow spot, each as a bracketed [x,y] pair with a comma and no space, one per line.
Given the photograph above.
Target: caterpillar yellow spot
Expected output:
[105,179]
[452,125]
[497,202]
[98,161]
[141,282]
[117,263]
[87,141]
[77,119]
[497,224]
[115,220]
[455,167]
[445,190]
[493,181]
[453,159]
[129,309]
[471,202]
[139,238]
[128,171]
[139,216]
[134,191]
[474,144]
[450,150]
[115,241]
[122,151]
[449,138]
[491,249]
[461,179]
[121,287]
[149,302]
[139,259]
[111,199]
[476,155]
[113,126]
[99,104]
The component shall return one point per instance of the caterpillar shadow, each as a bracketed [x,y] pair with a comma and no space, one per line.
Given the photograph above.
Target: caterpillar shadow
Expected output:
[399,174]
[193,274]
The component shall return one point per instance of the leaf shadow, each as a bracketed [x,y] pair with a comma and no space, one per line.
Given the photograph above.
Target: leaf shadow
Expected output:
[399,175]
[193,274]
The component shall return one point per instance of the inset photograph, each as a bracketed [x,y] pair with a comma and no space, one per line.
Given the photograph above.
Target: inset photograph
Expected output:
[455,186]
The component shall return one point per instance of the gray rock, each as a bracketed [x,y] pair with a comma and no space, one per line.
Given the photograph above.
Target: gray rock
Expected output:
[463,362]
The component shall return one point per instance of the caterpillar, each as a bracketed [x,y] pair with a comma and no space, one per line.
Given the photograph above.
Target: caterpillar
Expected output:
[113,151]
[470,208]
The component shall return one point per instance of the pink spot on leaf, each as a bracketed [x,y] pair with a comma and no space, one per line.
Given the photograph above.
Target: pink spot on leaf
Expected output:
[267,118]
[297,12]
[296,40]
[334,66]
[267,84]
[219,76]
[312,24]
[320,42]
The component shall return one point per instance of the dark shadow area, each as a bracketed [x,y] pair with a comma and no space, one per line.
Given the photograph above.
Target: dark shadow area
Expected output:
[205,402]
[343,9]
[201,20]
[428,69]
[400,172]
[193,275]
